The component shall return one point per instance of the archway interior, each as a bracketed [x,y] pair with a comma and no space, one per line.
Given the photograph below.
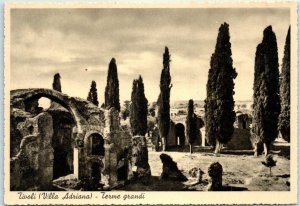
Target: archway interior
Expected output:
[97,144]
[244,124]
[180,134]
[63,123]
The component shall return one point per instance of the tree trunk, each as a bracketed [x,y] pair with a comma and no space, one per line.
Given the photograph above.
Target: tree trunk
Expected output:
[266,149]
[255,150]
[191,148]
[164,143]
[218,147]
[157,144]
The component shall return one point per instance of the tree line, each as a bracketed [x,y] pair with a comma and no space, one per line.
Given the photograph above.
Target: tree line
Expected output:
[271,95]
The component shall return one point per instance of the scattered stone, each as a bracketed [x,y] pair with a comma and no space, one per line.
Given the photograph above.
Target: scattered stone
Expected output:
[170,169]
[215,172]
[193,172]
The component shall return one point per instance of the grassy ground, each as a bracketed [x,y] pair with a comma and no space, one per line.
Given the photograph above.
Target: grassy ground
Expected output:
[240,172]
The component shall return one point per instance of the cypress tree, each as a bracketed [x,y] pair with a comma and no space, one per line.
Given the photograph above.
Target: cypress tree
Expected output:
[192,131]
[163,101]
[92,96]
[266,103]
[284,117]
[56,82]
[219,103]
[125,111]
[258,98]
[138,108]
[112,87]
[56,85]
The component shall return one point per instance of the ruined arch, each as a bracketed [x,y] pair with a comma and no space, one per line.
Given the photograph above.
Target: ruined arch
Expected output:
[94,142]
[87,117]
[22,98]
[180,133]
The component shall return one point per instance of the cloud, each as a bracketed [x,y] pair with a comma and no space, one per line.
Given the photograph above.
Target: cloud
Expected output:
[79,43]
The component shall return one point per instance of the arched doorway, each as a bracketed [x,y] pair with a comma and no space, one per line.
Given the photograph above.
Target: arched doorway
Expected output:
[97,145]
[180,134]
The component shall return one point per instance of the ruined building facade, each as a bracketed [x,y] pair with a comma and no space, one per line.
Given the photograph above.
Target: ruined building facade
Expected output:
[71,137]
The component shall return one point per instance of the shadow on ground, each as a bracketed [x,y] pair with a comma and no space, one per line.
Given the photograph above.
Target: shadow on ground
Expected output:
[154,184]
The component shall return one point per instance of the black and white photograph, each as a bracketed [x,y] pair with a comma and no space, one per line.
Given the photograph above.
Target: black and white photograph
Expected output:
[122,103]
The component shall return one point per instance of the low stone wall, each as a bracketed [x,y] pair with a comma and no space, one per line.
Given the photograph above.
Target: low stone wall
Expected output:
[241,140]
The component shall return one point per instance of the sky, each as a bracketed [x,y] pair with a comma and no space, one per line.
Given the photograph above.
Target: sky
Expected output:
[79,44]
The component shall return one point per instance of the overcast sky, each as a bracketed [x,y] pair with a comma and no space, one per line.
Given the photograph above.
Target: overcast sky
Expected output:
[79,44]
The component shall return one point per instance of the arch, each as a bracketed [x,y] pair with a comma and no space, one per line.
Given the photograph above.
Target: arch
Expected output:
[180,133]
[30,129]
[81,111]
[22,97]
[94,142]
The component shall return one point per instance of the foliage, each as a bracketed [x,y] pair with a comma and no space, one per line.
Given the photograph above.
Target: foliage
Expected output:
[56,85]
[266,105]
[219,103]
[163,101]
[138,108]
[284,117]
[112,98]
[125,112]
[92,96]
[269,162]
[192,128]
[152,108]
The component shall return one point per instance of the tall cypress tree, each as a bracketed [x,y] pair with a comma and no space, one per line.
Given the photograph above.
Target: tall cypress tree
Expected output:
[266,103]
[192,130]
[92,96]
[112,98]
[138,108]
[56,85]
[284,117]
[258,98]
[163,102]
[219,103]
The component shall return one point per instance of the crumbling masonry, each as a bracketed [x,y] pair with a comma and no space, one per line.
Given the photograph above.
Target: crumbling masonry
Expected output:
[75,137]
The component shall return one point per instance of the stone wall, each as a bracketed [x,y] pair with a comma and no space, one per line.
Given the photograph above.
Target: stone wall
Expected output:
[117,162]
[70,134]
[241,140]
[242,121]
[32,167]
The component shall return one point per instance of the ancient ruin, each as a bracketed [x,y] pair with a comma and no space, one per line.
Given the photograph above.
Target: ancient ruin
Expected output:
[170,170]
[215,172]
[141,167]
[177,136]
[241,138]
[74,138]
